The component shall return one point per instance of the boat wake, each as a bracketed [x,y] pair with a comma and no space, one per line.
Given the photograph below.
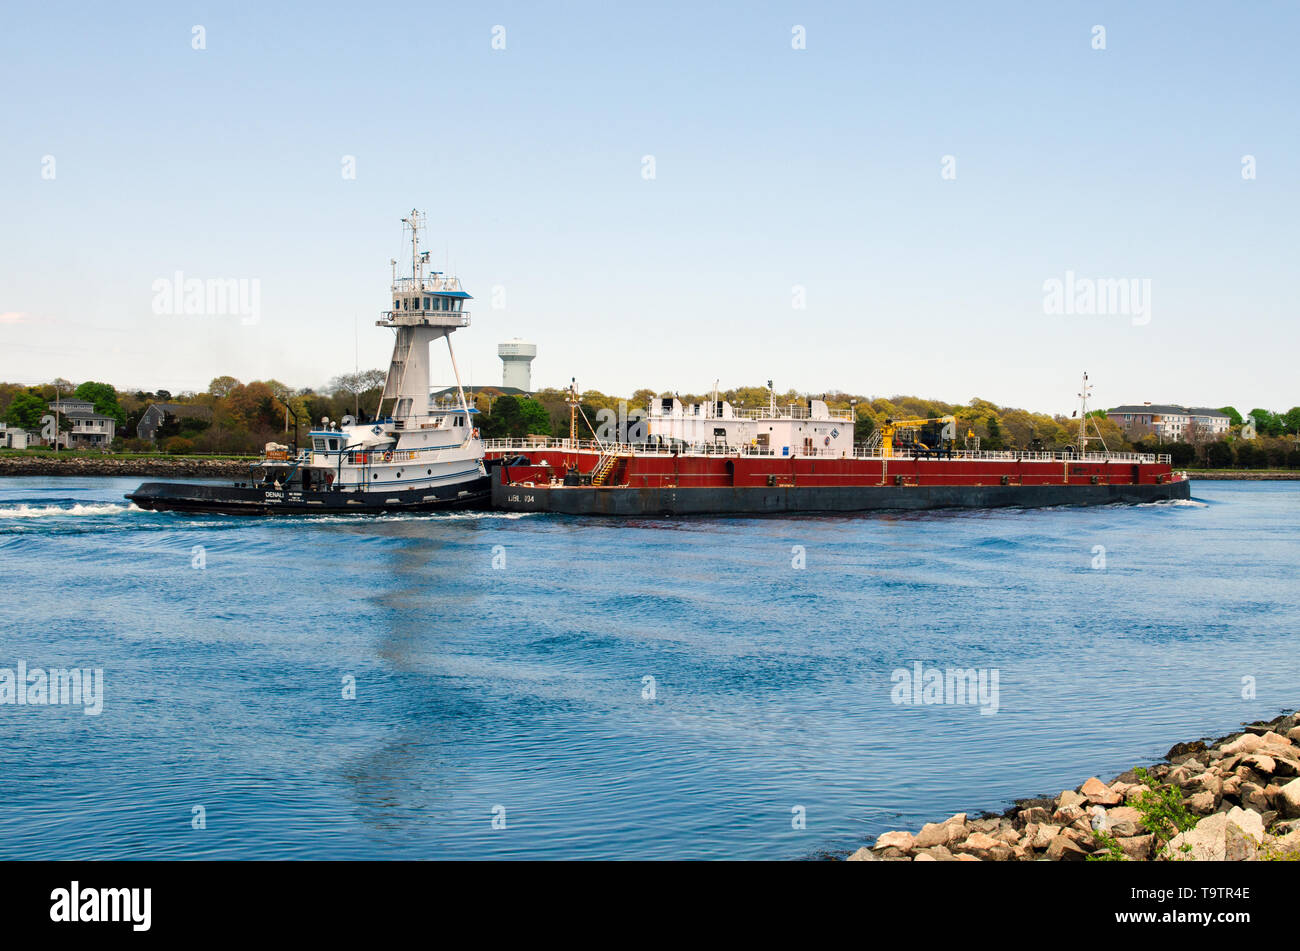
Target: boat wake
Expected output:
[76,510]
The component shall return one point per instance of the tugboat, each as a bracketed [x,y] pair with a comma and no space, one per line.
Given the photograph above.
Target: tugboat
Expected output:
[418,457]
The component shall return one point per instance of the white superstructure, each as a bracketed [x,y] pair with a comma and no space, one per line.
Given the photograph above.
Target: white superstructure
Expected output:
[410,445]
[806,428]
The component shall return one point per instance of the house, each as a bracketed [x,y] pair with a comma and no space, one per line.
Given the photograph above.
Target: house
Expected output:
[1168,422]
[90,430]
[158,413]
[14,437]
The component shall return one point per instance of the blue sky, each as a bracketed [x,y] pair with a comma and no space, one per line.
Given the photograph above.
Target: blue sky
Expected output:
[774,168]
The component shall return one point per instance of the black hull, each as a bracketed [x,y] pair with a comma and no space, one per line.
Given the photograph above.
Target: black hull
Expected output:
[587,500]
[240,500]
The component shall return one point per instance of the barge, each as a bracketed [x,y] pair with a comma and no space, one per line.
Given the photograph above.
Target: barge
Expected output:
[713,458]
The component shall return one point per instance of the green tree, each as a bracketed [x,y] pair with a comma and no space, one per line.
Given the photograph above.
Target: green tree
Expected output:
[536,420]
[105,399]
[26,410]
[221,386]
[1218,455]
[1232,414]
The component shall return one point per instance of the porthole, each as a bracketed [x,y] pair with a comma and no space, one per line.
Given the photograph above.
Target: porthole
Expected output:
[375,476]
[428,471]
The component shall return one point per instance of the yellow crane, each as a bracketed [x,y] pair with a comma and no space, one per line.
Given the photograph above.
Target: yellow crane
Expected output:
[904,431]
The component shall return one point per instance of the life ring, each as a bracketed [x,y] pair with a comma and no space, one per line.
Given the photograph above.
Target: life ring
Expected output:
[388,457]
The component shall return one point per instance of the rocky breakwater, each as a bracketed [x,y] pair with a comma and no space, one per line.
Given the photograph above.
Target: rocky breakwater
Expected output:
[1235,798]
[155,467]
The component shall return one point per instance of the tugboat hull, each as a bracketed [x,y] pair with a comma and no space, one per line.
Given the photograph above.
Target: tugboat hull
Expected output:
[246,500]
[763,500]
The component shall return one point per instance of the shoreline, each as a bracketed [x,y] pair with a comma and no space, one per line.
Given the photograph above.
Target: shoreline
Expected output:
[1243,475]
[164,467]
[1236,798]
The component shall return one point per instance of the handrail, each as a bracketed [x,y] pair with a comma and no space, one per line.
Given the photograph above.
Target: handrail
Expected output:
[603,449]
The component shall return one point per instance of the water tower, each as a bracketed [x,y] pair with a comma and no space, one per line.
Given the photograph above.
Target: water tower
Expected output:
[516,363]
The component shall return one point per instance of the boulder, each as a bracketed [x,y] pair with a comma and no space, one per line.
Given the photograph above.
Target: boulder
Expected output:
[1201,803]
[1264,765]
[1070,798]
[937,854]
[902,841]
[863,854]
[1139,848]
[1063,849]
[1294,734]
[1098,792]
[1043,836]
[1246,743]
[1288,802]
[1034,814]
[985,847]
[934,833]
[1252,797]
[1286,846]
[1225,835]
[1068,814]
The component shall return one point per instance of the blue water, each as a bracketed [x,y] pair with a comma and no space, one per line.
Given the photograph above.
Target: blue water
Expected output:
[521,687]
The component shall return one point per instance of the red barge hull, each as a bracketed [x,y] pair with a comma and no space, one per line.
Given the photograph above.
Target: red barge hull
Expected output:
[590,482]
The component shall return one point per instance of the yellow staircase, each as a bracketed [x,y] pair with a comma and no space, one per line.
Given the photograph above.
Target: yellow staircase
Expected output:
[604,467]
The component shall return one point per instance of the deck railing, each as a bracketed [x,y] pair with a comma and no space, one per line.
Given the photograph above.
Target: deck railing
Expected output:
[710,449]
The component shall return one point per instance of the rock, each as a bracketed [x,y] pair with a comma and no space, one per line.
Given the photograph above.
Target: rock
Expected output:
[1203,843]
[1289,801]
[1043,836]
[1179,776]
[1008,835]
[1182,750]
[1252,797]
[1274,739]
[1068,814]
[985,847]
[1201,803]
[1139,848]
[1034,814]
[932,834]
[902,841]
[1286,846]
[1122,790]
[937,854]
[1225,835]
[925,857]
[1232,787]
[1294,734]
[1208,781]
[965,857]
[1246,743]
[1244,834]
[1123,814]
[863,854]
[1098,792]
[1062,849]
[1070,798]
[1264,765]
